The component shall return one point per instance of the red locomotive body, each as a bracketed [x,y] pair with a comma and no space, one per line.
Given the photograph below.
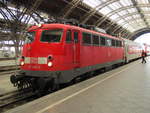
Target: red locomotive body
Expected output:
[71,53]
[58,53]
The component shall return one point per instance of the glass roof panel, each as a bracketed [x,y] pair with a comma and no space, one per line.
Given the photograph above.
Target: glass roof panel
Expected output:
[121,22]
[142,1]
[131,18]
[145,9]
[148,20]
[124,12]
[92,3]
[126,2]
[105,10]
[115,5]
[131,10]
[136,16]
[113,17]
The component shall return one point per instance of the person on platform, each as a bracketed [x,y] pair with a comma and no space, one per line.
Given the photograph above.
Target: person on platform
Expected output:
[143,56]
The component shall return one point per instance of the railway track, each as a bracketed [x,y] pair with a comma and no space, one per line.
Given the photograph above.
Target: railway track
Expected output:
[15,98]
[8,68]
[2,59]
[8,72]
[4,70]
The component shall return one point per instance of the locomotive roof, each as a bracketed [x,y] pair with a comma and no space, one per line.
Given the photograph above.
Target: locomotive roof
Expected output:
[56,25]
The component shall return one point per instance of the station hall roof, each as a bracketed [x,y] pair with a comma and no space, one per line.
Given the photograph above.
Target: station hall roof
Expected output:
[132,15]
[126,18]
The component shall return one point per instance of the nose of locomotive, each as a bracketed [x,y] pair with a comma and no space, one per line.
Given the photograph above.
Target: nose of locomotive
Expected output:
[37,63]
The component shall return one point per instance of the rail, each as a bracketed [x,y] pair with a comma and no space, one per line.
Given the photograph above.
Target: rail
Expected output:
[2,59]
[8,68]
[14,98]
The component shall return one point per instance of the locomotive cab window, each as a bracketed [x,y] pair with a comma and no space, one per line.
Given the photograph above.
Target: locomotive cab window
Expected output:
[86,39]
[68,36]
[76,37]
[29,37]
[52,35]
[95,40]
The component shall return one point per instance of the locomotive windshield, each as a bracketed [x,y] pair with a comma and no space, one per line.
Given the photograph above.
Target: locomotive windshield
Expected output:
[29,37]
[52,35]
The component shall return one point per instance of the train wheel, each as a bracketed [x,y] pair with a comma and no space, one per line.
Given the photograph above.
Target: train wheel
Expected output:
[55,87]
[77,80]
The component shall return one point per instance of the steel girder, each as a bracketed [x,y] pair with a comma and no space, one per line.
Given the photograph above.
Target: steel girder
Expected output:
[131,14]
[34,7]
[131,20]
[101,20]
[125,16]
[69,7]
[139,32]
[94,10]
[140,12]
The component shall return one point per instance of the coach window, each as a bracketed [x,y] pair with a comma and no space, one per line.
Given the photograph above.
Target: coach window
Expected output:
[68,36]
[109,42]
[117,43]
[103,43]
[86,38]
[120,43]
[95,40]
[113,42]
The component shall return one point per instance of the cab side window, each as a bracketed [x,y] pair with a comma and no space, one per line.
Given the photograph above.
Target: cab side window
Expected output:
[68,36]
[76,37]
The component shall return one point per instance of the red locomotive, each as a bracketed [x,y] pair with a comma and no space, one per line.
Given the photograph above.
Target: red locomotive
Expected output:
[57,53]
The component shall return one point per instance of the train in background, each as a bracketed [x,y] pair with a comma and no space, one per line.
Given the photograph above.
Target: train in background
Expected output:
[132,50]
[147,48]
[58,53]
[6,53]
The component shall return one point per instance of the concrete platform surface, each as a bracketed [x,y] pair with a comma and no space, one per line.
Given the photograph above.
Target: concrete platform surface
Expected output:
[9,62]
[5,85]
[122,90]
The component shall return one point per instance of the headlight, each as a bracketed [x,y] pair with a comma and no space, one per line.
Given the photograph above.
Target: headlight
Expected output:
[39,25]
[50,64]
[22,63]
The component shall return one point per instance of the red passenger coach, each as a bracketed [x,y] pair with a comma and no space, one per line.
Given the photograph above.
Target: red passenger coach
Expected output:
[132,49]
[57,53]
[147,49]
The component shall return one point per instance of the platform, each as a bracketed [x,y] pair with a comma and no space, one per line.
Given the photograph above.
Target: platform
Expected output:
[122,90]
[9,63]
[5,85]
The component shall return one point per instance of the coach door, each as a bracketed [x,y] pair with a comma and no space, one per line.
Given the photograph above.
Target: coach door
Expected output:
[76,48]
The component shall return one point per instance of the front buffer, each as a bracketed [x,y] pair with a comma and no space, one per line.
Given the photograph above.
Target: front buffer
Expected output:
[40,84]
